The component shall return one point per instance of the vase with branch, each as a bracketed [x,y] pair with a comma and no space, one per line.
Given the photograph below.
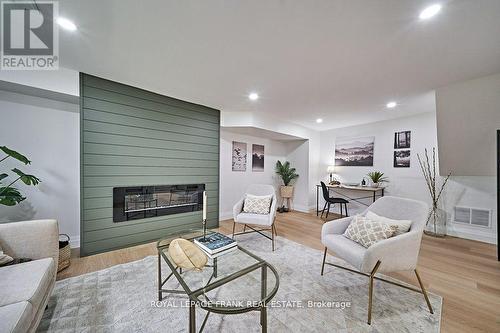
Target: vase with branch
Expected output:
[9,195]
[436,218]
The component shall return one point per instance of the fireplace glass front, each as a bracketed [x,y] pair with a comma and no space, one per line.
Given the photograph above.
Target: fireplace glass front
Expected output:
[139,202]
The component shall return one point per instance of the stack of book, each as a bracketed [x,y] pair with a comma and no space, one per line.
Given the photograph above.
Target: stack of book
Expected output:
[216,244]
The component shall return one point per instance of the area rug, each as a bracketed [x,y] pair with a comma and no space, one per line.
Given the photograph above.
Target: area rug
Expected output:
[122,299]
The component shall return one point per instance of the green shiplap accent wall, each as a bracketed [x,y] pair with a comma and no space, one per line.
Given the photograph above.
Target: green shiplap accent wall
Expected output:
[130,137]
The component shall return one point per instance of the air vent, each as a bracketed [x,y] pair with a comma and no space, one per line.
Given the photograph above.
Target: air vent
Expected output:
[473,216]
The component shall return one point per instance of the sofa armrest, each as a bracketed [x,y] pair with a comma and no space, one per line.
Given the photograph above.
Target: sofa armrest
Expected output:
[237,208]
[31,239]
[399,253]
[336,227]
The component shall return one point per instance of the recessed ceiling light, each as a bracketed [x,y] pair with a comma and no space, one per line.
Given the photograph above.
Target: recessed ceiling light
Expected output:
[66,24]
[429,12]
[391,105]
[253,96]
[319,120]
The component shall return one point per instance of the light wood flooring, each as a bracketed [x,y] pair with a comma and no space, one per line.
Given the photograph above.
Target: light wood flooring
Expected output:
[465,273]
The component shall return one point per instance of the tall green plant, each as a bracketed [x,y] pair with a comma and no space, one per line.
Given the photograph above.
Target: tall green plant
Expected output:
[11,196]
[286,173]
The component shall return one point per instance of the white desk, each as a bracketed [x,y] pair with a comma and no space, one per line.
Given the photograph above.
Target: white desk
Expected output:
[374,192]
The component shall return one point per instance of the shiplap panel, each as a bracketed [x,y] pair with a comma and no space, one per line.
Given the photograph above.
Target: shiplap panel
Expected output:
[150,161]
[132,137]
[141,132]
[138,238]
[137,121]
[107,223]
[107,191]
[186,119]
[134,141]
[122,150]
[140,103]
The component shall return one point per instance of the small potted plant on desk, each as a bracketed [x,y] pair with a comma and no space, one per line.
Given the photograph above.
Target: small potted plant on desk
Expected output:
[377,178]
[287,174]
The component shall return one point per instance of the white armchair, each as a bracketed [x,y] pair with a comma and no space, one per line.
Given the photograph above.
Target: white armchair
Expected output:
[263,221]
[398,253]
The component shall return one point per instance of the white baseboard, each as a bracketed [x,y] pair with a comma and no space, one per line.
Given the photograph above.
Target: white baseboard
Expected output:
[491,239]
[225,216]
[74,242]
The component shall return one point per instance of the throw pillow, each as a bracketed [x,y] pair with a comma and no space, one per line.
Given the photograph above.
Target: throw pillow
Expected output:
[4,258]
[257,204]
[367,232]
[402,225]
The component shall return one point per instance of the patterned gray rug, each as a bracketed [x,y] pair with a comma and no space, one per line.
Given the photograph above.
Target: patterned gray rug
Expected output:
[122,299]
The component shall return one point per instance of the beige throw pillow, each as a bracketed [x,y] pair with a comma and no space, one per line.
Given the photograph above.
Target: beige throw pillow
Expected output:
[403,226]
[257,204]
[4,258]
[367,232]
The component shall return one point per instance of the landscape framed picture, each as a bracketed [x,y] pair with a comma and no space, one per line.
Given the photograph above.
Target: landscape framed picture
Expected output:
[257,158]
[354,151]
[402,158]
[402,139]
[239,156]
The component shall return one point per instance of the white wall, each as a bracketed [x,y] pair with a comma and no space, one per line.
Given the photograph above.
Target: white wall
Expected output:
[49,137]
[297,153]
[234,183]
[468,117]
[476,192]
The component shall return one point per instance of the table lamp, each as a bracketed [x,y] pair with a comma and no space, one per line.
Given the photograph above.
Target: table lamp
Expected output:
[331,171]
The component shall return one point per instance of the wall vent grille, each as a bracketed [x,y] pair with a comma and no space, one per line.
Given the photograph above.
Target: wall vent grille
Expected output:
[472,216]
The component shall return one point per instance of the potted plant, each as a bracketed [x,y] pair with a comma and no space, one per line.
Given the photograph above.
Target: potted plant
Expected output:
[287,175]
[11,196]
[437,216]
[377,178]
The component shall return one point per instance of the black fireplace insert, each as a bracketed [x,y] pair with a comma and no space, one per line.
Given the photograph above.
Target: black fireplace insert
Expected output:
[140,202]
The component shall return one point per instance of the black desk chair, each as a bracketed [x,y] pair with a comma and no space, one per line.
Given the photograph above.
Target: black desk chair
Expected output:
[330,200]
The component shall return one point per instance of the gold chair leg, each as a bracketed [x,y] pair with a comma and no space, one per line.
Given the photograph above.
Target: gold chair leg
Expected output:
[370,291]
[324,259]
[424,292]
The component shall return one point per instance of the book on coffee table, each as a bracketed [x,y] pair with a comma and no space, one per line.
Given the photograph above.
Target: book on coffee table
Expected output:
[215,243]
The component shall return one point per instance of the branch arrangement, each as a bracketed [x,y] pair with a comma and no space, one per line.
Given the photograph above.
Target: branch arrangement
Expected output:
[428,168]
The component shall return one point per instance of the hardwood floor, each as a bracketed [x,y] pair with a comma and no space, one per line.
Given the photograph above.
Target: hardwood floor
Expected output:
[465,273]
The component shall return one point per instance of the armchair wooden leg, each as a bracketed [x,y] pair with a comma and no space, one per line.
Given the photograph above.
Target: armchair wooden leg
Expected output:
[234,225]
[272,234]
[424,292]
[370,291]
[324,259]
[244,227]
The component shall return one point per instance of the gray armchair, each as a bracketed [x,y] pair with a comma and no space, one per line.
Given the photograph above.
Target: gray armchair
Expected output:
[263,221]
[398,253]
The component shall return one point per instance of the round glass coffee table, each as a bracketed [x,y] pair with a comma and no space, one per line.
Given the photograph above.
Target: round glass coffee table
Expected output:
[234,282]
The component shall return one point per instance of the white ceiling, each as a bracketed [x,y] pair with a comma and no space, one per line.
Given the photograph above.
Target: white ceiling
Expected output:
[333,59]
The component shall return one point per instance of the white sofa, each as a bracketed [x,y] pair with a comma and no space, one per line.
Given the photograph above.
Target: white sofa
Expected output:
[26,287]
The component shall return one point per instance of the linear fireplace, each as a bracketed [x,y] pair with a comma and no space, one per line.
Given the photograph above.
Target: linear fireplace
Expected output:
[139,202]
